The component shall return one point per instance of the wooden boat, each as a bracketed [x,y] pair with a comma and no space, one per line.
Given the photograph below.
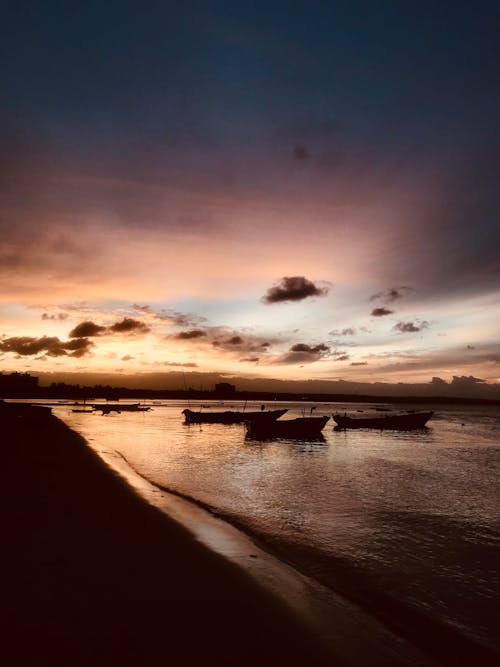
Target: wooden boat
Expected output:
[403,422]
[302,428]
[230,416]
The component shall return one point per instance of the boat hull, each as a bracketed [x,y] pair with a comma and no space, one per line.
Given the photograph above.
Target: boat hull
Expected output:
[106,408]
[230,416]
[406,422]
[303,428]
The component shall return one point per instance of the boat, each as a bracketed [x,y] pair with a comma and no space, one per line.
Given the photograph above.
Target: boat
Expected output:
[302,428]
[401,422]
[230,416]
[106,408]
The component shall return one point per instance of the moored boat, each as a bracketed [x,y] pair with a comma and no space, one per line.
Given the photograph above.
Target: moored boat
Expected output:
[301,428]
[106,408]
[401,422]
[230,416]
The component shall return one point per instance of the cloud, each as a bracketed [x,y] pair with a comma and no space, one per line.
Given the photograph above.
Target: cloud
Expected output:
[143,309]
[380,312]
[170,316]
[86,328]
[359,363]
[349,331]
[229,342]
[188,364]
[410,327]
[303,347]
[342,357]
[293,288]
[128,325]
[302,353]
[250,359]
[127,357]
[59,316]
[188,335]
[391,294]
[50,345]
[234,340]
[90,329]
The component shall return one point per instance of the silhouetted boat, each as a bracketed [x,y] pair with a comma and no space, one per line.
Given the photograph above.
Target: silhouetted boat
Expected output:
[230,416]
[301,428]
[106,408]
[404,422]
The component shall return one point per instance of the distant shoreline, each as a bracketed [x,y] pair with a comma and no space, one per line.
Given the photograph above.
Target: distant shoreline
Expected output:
[80,393]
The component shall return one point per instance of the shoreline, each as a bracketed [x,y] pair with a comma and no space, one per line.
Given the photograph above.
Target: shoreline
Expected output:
[97,576]
[306,623]
[329,616]
[412,638]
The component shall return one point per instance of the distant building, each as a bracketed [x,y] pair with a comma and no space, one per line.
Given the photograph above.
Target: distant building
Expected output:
[224,389]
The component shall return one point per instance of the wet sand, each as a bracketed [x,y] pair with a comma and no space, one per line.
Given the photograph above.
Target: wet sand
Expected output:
[93,575]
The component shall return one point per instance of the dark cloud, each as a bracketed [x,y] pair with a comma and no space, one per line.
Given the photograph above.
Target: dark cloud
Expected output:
[230,342]
[471,347]
[49,345]
[410,327]
[234,340]
[342,357]
[293,288]
[193,333]
[128,325]
[380,312]
[391,294]
[303,347]
[90,329]
[127,357]
[302,353]
[359,363]
[250,359]
[86,328]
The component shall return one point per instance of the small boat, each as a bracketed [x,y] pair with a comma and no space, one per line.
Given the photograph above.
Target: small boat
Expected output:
[403,422]
[230,416]
[106,408]
[302,428]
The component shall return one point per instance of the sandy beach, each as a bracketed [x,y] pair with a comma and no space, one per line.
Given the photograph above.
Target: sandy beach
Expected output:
[93,575]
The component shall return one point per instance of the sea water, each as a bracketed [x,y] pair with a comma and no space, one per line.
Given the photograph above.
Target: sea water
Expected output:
[412,516]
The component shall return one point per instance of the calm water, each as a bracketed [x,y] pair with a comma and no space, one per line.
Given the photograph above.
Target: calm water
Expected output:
[414,515]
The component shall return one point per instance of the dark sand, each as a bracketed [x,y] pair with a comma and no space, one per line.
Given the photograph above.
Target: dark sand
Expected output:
[93,575]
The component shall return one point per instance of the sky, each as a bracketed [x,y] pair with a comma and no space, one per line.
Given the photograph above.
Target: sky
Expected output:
[298,191]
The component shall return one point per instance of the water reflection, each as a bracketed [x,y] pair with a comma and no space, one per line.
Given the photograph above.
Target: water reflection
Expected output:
[415,511]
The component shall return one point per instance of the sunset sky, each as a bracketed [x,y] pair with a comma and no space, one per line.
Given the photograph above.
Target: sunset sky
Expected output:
[279,190]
